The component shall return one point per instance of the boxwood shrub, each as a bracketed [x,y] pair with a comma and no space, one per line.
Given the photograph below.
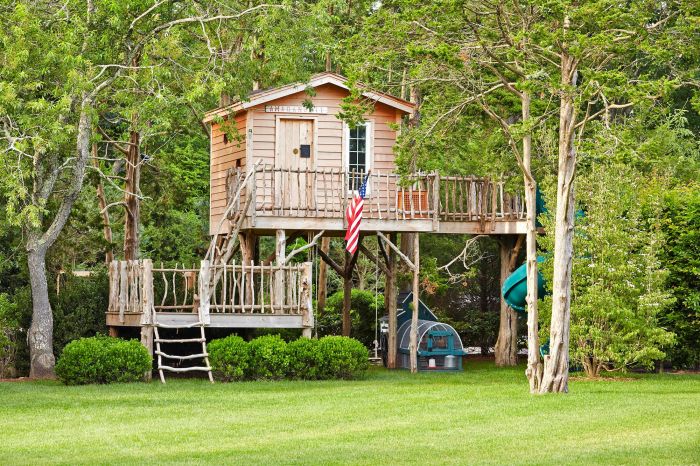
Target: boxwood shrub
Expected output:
[269,359]
[341,358]
[303,359]
[229,358]
[103,359]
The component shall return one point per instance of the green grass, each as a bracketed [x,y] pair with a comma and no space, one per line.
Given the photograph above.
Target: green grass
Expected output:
[483,415]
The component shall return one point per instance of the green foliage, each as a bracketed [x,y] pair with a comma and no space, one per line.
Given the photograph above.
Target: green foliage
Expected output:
[229,358]
[9,332]
[269,359]
[363,305]
[79,308]
[103,359]
[341,357]
[303,359]
[680,255]
[618,292]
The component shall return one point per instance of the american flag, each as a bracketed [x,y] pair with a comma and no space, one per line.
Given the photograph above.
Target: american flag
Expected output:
[354,217]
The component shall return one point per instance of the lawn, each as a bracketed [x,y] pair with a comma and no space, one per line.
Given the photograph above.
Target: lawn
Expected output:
[483,415]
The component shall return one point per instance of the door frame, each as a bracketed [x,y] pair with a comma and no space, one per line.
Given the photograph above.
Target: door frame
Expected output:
[278,133]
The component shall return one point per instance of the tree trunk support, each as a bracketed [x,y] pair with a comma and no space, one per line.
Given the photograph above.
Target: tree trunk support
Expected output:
[506,346]
[322,276]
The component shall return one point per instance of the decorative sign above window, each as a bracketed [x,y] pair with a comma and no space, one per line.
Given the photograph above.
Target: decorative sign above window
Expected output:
[294,109]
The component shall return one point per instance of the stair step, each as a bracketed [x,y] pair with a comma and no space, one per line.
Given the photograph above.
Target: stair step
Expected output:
[180,340]
[184,369]
[196,324]
[189,356]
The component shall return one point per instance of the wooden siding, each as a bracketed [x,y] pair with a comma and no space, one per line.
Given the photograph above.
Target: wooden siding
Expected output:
[224,155]
[328,150]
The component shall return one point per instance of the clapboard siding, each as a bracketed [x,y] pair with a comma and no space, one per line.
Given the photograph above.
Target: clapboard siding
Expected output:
[328,141]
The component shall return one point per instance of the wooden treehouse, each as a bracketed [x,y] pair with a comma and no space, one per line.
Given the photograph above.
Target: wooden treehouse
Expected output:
[284,165]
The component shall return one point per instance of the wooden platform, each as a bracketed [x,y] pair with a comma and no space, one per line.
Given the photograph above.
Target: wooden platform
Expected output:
[266,225]
[217,320]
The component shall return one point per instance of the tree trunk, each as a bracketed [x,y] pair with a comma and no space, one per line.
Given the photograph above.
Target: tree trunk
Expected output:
[416,303]
[406,247]
[534,366]
[131,199]
[102,203]
[556,364]
[391,303]
[322,276]
[40,335]
[506,348]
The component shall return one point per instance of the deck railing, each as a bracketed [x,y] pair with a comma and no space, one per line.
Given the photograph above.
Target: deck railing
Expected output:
[136,287]
[325,193]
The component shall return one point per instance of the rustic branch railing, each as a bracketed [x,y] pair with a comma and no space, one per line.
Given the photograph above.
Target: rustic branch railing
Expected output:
[136,287]
[324,193]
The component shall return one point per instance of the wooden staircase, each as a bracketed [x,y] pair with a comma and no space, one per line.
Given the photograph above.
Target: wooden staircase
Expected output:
[203,355]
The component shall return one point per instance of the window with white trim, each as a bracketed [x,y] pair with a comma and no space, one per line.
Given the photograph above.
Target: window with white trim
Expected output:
[358,150]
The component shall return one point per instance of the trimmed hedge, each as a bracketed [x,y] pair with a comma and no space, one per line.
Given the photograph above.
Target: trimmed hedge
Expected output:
[270,358]
[341,358]
[229,358]
[103,359]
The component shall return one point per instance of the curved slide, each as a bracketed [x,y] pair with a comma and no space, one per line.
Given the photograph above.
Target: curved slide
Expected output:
[515,287]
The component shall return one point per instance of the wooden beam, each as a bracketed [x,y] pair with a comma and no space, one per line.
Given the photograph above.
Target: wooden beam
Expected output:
[326,258]
[322,276]
[370,255]
[397,250]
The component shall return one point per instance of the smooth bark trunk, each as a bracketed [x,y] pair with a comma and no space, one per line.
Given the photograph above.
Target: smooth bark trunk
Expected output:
[40,334]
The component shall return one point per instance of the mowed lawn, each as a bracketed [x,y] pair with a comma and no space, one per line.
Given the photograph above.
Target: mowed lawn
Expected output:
[483,415]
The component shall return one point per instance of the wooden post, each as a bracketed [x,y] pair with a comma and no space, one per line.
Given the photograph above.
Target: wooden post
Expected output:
[113,331]
[436,201]
[147,292]
[390,301]
[122,290]
[204,281]
[416,303]
[113,286]
[307,311]
[322,276]
[280,255]
[247,241]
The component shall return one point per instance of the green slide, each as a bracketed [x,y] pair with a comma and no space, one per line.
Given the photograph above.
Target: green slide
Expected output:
[515,287]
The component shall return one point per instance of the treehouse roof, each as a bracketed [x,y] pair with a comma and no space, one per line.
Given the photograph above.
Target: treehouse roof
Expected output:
[269,95]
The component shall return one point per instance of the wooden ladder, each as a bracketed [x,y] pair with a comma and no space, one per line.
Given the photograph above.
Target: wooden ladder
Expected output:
[169,341]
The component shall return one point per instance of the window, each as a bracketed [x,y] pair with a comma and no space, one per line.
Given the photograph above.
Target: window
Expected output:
[359,156]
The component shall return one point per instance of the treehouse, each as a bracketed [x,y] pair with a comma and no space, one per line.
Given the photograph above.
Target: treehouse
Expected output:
[305,162]
[283,163]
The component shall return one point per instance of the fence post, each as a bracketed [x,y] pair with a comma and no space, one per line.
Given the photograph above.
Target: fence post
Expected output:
[123,291]
[307,311]
[113,286]
[253,194]
[147,292]
[204,270]
[436,201]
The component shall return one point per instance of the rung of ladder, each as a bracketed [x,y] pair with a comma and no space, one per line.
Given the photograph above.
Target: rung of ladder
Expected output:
[189,356]
[185,369]
[180,340]
[196,324]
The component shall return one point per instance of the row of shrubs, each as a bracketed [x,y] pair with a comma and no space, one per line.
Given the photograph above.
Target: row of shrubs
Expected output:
[103,359]
[271,358]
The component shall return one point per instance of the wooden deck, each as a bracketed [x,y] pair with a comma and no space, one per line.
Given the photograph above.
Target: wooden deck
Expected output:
[316,200]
